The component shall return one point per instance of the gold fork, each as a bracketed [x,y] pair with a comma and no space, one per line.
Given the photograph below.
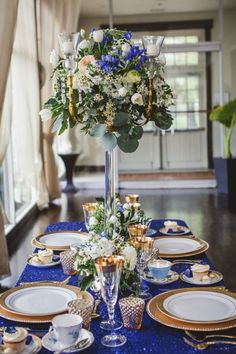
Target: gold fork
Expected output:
[205,345]
[63,282]
[191,335]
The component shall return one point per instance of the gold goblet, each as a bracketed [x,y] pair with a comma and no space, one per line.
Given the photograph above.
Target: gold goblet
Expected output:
[132,198]
[109,273]
[144,246]
[88,209]
[136,230]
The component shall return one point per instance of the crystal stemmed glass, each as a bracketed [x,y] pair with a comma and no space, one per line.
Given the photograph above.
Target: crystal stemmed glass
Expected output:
[69,45]
[109,272]
[144,246]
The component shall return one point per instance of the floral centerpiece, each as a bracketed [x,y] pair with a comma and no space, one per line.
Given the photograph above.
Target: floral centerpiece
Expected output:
[103,85]
[117,244]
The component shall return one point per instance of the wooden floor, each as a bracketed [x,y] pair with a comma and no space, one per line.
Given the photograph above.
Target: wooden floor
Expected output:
[164,176]
[204,211]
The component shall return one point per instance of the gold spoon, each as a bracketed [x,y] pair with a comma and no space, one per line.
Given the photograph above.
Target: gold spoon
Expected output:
[205,345]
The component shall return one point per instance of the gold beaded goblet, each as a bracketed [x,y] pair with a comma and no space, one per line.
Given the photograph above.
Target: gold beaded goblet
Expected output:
[144,246]
[109,273]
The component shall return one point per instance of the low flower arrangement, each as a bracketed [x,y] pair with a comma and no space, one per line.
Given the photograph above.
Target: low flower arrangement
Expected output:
[110,91]
[116,244]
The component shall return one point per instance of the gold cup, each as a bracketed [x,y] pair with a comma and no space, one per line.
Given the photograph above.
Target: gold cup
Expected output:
[108,264]
[132,198]
[132,309]
[136,230]
[88,209]
[142,242]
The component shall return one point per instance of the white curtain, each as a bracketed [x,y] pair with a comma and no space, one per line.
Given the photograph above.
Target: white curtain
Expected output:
[54,16]
[29,183]
[8,16]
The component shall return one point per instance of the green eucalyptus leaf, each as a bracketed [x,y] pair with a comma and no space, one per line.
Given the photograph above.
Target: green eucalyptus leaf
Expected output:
[98,130]
[137,132]
[163,119]
[109,141]
[121,119]
[127,144]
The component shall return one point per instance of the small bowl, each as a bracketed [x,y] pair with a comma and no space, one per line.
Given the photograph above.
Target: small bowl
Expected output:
[160,268]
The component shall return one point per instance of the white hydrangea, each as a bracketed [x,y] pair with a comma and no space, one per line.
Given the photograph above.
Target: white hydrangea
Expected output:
[103,247]
[93,221]
[130,255]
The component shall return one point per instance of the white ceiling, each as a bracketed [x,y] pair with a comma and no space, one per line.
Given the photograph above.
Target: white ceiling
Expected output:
[141,7]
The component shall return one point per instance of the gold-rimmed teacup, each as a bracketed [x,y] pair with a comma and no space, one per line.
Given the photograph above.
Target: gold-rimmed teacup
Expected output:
[136,230]
[132,198]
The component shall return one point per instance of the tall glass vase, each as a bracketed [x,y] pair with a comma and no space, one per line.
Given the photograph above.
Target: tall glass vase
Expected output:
[110,189]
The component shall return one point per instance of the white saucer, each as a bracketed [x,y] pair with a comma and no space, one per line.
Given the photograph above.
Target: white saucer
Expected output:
[33,347]
[171,277]
[51,343]
[55,261]
[217,277]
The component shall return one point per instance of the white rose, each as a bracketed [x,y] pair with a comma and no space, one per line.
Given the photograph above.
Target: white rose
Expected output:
[126,206]
[54,58]
[84,44]
[93,221]
[98,36]
[137,99]
[45,114]
[132,77]
[113,219]
[130,255]
[125,48]
[122,91]
[82,33]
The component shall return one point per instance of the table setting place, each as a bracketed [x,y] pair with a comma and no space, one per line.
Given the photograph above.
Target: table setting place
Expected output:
[157,291]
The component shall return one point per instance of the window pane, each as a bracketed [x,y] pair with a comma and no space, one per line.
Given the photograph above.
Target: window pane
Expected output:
[170,58]
[182,121]
[191,39]
[180,40]
[192,58]
[193,82]
[180,58]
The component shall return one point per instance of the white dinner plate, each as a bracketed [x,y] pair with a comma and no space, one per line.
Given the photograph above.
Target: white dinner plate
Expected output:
[63,239]
[201,306]
[177,245]
[40,300]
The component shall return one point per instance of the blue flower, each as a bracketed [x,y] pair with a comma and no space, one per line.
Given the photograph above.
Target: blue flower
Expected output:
[128,35]
[109,63]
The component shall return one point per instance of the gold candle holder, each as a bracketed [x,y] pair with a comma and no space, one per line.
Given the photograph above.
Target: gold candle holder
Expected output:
[137,206]
[142,242]
[71,106]
[132,309]
[137,230]
[132,198]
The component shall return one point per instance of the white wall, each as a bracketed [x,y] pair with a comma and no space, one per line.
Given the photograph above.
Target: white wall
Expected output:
[229,50]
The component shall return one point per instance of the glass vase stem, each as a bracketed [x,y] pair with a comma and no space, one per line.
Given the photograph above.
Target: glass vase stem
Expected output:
[109,184]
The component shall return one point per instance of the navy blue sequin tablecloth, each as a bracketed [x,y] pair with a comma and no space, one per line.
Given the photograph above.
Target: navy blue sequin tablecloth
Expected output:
[153,337]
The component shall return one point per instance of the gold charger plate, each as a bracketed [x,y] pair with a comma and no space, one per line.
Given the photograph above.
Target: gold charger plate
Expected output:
[204,247]
[36,240]
[154,305]
[4,312]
